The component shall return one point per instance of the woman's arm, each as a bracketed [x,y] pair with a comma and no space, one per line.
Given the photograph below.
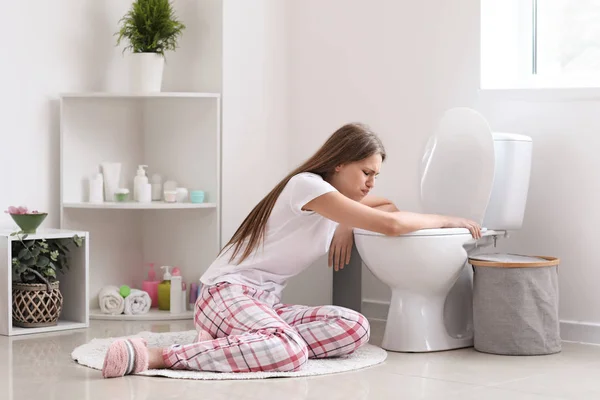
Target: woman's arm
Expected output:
[337,207]
[379,203]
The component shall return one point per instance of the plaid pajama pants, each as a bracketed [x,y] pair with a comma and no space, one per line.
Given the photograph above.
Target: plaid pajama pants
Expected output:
[252,332]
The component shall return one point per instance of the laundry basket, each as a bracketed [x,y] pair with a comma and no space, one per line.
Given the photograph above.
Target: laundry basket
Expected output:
[515,304]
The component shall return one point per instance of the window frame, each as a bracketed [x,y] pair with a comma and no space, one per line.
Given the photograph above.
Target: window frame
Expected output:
[509,57]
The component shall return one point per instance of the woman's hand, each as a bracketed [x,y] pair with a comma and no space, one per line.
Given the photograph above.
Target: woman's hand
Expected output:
[472,226]
[341,247]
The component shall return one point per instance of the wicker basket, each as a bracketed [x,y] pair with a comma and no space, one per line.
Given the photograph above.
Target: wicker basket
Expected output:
[34,306]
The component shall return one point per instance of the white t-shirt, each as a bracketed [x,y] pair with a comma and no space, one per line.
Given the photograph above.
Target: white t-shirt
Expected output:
[293,240]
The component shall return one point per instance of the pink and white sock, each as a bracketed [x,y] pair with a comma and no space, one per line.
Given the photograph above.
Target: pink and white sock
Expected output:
[124,357]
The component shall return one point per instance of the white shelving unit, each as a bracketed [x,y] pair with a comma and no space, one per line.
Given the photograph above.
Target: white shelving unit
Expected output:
[73,284]
[178,135]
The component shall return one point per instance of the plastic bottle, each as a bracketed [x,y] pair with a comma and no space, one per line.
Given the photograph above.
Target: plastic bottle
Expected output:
[164,290]
[97,189]
[176,281]
[150,286]
[184,304]
[139,181]
[145,193]
[193,295]
[157,188]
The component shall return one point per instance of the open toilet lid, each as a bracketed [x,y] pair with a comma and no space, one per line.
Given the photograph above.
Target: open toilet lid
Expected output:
[457,169]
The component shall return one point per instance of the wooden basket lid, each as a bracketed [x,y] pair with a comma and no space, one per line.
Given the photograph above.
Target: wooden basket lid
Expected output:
[512,261]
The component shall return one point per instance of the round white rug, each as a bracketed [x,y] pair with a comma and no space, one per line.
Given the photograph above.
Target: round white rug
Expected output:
[92,355]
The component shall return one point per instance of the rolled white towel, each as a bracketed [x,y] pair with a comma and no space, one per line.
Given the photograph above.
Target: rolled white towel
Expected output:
[111,301]
[138,302]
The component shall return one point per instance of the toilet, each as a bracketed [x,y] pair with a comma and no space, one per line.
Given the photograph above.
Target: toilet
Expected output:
[466,171]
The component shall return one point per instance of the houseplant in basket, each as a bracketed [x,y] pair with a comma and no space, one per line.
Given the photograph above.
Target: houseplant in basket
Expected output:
[37,300]
[151,28]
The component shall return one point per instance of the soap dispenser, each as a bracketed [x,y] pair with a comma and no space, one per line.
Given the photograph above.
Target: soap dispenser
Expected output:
[150,286]
[139,183]
[164,290]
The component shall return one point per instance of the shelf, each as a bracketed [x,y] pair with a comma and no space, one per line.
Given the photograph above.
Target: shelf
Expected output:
[44,233]
[152,315]
[157,95]
[62,325]
[158,205]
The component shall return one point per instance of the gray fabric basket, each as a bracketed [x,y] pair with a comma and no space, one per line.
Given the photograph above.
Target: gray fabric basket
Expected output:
[515,304]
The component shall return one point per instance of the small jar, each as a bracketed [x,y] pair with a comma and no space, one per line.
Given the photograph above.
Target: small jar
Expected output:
[121,195]
[170,196]
[182,195]
[197,196]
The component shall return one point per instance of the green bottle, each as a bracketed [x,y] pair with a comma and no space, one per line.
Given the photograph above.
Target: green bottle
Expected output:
[164,290]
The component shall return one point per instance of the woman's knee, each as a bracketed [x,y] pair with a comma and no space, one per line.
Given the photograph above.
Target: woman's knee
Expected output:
[362,329]
[291,353]
[357,328]
[357,324]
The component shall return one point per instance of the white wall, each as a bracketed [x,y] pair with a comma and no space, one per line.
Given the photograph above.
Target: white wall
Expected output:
[562,215]
[255,120]
[397,65]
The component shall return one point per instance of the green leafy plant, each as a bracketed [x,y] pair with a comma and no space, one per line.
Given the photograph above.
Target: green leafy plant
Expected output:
[150,26]
[37,261]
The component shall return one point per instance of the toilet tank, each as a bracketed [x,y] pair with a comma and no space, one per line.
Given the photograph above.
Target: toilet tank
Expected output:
[506,207]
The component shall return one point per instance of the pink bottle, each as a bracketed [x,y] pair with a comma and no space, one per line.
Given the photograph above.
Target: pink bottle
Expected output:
[151,286]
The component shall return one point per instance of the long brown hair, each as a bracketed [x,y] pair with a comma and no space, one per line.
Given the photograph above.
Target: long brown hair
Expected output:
[350,143]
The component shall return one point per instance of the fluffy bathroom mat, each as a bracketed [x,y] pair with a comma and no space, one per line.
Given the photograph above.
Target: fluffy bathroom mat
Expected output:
[92,355]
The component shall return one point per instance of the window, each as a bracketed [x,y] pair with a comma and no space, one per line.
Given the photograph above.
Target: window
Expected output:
[540,43]
[567,37]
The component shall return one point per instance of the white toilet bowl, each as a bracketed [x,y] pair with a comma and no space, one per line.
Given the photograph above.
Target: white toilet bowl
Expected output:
[421,268]
[466,171]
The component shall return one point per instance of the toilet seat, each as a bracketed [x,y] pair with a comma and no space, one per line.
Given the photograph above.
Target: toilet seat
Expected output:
[457,169]
[422,232]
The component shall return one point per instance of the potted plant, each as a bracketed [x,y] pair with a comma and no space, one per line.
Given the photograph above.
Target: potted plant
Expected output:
[37,300]
[151,28]
[27,221]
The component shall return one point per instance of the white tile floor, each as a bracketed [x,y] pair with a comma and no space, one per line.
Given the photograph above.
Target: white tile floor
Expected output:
[40,367]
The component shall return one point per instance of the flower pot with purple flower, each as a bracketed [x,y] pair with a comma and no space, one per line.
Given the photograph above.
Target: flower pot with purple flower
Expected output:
[27,220]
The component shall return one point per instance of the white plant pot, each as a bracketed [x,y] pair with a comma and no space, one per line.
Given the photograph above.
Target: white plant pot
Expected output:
[145,72]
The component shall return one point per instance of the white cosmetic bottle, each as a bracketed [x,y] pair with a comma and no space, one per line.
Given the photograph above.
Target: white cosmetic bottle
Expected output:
[139,183]
[97,189]
[157,188]
[176,280]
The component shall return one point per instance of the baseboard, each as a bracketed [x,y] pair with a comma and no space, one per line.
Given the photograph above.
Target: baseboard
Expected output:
[581,332]
[375,309]
[570,331]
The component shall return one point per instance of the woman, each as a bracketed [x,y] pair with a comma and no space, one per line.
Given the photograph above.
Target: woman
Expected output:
[242,325]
